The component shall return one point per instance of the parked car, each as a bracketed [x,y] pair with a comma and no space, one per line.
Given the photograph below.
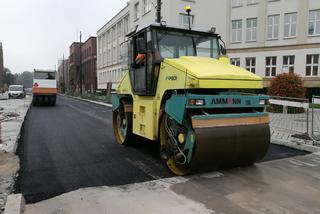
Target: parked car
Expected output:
[16,91]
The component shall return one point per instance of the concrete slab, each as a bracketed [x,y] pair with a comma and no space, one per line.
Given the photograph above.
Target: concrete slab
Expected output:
[15,204]
[283,186]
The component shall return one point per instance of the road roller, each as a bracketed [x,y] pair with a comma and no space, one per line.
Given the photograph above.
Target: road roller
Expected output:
[181,92]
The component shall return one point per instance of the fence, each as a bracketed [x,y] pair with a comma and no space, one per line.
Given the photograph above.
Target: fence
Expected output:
[315,124]
[294,120]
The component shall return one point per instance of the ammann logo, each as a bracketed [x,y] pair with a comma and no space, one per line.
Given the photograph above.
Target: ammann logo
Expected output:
[171,78]
[230,101]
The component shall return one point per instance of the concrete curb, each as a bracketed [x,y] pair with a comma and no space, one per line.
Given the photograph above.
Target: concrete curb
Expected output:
[86,100]
[302,147]
[15,204]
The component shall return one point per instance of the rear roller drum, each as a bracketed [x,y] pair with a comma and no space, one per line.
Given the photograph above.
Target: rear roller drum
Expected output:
[122,125]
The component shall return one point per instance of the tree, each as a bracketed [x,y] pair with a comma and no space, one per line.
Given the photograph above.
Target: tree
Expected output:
[287,85]
[9,78]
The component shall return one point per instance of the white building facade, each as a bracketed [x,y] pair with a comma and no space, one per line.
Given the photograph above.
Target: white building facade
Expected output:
[265,36]
[269,37]
[109,39]
[205,14]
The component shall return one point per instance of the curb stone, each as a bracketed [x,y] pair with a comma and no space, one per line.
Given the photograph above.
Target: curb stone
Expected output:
[303,147]
[86,100]
[15,204]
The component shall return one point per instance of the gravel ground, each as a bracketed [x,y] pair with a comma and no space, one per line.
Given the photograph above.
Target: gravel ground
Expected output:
[12,113]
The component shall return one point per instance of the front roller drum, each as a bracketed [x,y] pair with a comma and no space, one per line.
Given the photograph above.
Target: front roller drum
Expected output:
[226,147]
[220,147]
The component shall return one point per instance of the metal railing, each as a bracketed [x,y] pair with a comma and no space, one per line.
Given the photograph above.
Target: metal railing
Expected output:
[315,118]
[291,120]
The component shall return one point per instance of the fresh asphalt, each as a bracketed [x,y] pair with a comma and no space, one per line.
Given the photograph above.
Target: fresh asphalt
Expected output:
[71,146]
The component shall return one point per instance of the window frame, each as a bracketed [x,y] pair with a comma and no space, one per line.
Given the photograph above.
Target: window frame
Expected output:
[252,29]
[235,61]
[236,3]
[312,65]
[273,26]
[237,31]
[250,67]
[181,20]
[146,6]
[269,67]
[291,23]
[136,11]
[288,65]
[316,22]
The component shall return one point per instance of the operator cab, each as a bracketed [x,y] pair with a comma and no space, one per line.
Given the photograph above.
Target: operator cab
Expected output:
[151,45]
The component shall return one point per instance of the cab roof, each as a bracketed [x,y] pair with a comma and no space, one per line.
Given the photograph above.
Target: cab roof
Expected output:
[172,29]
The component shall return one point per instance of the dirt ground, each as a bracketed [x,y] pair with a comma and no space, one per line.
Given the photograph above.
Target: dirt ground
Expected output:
[9,166]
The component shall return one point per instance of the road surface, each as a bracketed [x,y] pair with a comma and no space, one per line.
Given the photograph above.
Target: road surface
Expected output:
[71,146]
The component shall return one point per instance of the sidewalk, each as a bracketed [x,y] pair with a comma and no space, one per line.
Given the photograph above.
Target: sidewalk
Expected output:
[12,114]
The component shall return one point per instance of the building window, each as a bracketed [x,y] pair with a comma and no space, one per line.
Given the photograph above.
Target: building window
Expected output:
[314,23]
[147,6]
[114,35]
[312,65]
[236,3]
[136,11]
[119,31]
[126,26]
[251,2]
[251,64]
[288,64]
[273,27]
[235,61]
[290,25]
[271,66]
[236,30]
[184,20]
[251,33]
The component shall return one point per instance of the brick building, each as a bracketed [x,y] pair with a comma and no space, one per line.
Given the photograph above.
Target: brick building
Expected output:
[1,68]
[63,70]
[74,68]
[89,64]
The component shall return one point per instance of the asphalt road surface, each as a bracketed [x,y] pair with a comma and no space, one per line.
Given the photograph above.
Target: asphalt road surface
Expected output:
[71,146]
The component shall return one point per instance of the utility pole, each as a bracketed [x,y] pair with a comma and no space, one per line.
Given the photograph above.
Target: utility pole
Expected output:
[158,20]
[63,75]
[80,66]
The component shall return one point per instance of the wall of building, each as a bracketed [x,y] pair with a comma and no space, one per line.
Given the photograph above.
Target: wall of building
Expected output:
[221,14]
[206,14]
[299,45]
[1,68]
[109,39]
[88,64]
[63,72]
[74,62]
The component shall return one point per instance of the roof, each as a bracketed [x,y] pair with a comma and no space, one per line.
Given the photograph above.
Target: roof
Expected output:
[169,28]
[43,70]
[114,17]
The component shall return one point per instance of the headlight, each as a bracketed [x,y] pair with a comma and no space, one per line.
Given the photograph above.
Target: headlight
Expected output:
[264,102]
[196,102]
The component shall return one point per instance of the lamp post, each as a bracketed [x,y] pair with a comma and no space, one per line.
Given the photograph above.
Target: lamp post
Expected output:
[80,65]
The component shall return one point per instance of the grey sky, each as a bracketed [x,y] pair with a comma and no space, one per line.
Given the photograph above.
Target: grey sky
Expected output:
[35,33]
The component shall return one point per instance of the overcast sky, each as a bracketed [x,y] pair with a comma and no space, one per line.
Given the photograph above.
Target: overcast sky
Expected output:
[36,33]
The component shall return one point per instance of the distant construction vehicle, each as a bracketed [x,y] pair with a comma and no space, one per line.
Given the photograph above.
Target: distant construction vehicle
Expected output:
[182,92]
[44,87]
